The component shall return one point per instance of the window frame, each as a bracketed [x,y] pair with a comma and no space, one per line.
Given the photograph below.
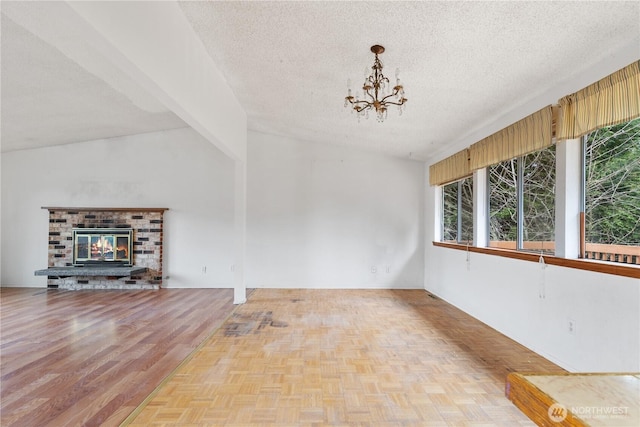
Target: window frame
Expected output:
[584,250]
[520,196]
[607,267]
[459,214]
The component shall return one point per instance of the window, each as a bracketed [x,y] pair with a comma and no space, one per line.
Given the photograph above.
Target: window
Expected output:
[503,205]
[519,163]
[457,212]
[450,213]
[538,193]
[466,211]
[612,193]
[522,202]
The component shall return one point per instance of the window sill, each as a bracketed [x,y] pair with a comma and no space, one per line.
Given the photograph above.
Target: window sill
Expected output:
[626,270]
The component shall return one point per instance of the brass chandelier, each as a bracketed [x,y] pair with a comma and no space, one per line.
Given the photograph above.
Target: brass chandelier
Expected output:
[378,94]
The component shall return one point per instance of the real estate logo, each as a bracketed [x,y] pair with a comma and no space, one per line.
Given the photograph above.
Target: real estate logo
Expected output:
[557,412]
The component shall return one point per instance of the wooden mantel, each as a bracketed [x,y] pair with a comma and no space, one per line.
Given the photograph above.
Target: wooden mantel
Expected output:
[71,208]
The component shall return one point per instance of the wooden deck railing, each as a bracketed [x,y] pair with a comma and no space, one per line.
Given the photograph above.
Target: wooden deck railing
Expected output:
[614,253]
[544,246]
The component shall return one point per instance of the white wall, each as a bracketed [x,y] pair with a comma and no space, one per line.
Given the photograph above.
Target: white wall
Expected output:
[323,216]
[175,169]
[533,305]
[318,216]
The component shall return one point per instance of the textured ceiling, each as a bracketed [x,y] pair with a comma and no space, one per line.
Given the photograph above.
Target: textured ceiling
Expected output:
[466,67]
[463,64]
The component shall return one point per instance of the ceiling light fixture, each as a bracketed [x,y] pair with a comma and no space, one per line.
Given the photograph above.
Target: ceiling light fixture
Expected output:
[378,95]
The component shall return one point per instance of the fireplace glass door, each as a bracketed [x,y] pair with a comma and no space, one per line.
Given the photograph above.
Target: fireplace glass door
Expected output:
[102,245]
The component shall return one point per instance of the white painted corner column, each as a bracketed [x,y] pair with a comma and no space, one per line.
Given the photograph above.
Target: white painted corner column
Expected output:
[568,198]
[480,208]
[240,222]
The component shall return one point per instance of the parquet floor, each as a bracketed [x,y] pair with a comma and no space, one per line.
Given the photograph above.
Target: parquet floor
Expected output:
[578,399]
[89,358]
[344,358]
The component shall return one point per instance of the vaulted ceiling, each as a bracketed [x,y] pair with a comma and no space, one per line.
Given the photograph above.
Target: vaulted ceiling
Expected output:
[469,68]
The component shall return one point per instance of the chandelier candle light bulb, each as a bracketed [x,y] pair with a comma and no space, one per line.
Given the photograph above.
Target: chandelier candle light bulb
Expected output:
[375,88]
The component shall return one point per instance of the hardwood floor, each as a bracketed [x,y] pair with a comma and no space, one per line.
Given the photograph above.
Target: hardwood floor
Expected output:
[344,358]
[285,358]
[72,358]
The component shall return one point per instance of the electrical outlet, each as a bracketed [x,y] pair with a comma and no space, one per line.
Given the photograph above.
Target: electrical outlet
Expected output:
[572,326]
[204,269]
[374,270]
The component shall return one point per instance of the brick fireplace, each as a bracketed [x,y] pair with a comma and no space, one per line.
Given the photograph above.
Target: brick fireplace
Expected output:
[144,225]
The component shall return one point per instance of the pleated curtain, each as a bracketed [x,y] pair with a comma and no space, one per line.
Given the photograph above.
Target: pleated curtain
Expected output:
[450,169]
[611,100]
[525,136]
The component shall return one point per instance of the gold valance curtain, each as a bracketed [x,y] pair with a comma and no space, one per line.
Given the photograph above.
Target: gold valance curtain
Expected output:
[450,169]
[525,136]
[612,100]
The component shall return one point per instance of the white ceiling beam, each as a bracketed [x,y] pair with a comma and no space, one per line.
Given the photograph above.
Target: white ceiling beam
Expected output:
[155,45]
